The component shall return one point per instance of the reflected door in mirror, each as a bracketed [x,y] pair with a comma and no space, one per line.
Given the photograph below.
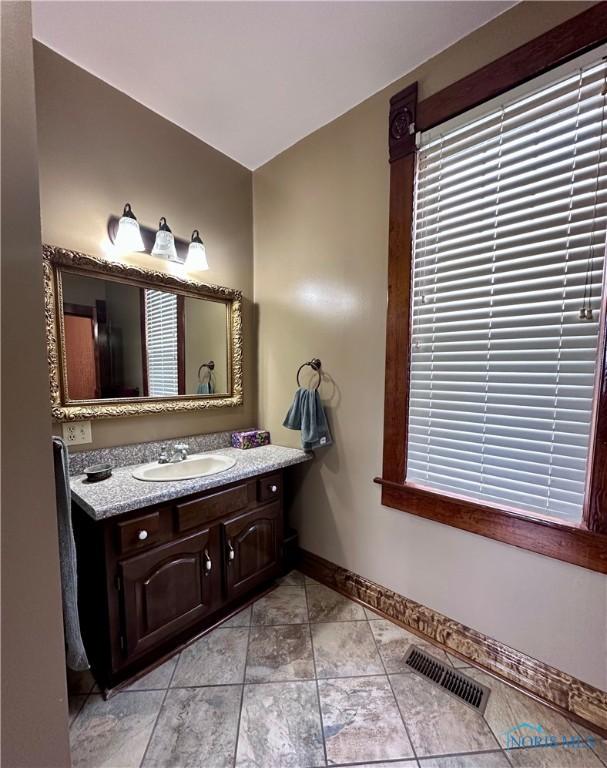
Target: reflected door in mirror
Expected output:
[113,309]
[81,351]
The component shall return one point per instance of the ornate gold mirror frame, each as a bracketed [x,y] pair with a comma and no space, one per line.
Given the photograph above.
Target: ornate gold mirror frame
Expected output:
[57,260]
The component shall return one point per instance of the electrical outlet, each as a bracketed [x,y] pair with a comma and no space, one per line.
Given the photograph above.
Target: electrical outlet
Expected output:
[77,432]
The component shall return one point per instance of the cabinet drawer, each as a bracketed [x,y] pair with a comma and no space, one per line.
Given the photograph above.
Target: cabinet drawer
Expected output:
[195,513]
[269,488]
[142,532]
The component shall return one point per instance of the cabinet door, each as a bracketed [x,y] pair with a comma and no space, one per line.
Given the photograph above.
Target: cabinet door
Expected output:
[169,588]
[252,544]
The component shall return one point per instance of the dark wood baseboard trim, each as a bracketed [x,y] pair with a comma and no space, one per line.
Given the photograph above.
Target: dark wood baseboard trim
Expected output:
[575,699]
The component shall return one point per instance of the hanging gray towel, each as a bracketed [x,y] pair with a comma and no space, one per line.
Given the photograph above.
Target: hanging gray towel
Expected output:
[308,415]
[206,381]
[75,654]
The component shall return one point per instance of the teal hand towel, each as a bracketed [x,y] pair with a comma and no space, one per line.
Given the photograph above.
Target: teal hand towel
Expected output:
[293,417]
[308,415]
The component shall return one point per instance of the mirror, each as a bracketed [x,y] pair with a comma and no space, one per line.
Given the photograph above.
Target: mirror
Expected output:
[126,341]
[123,338]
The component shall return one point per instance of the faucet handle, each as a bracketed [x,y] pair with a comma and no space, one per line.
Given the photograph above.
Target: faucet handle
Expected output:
[163,456]
[183,448]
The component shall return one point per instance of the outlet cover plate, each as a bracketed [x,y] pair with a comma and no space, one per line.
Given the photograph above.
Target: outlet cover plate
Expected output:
[77,432]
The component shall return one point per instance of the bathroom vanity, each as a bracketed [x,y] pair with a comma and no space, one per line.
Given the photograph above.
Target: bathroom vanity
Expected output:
[178,560]
[164,555]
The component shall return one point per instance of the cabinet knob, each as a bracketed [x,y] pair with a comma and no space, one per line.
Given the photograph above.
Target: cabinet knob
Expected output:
[274,488]
[208,563]
[230,551]
[142,535]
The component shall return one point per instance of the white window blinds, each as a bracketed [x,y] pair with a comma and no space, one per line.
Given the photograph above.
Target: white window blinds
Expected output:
[509,245]
[161,342]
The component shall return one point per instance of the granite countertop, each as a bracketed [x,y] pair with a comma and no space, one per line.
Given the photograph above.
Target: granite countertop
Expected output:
[123,493]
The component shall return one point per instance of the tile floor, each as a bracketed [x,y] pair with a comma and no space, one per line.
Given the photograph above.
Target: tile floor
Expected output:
[307,678]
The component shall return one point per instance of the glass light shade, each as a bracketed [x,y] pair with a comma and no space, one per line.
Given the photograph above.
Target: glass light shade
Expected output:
[197,257]
[164,244]
[128,236]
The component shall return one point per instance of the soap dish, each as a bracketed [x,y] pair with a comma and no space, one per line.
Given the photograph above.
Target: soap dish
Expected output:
[98,472]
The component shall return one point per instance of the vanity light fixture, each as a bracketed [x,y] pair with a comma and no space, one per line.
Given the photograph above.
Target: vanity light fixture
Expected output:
[197,255]
[165,242]
[128,236]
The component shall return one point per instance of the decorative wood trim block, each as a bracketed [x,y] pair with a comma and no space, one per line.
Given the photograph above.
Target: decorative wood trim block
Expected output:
[403,113]
[572,697]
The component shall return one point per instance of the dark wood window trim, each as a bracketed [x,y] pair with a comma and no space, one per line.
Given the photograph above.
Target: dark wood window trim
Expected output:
[584,544]
[180,344]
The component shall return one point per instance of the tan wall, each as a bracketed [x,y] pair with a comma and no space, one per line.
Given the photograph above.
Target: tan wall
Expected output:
[321,226]
[98,149]
[34,708]
[205,339]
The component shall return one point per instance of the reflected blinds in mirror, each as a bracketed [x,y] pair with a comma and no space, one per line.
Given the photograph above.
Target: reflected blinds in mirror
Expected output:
[161,343]
[509,246]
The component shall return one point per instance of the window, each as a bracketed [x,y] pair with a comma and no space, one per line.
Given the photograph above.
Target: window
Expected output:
[495,417]
[508,252]
[161,343]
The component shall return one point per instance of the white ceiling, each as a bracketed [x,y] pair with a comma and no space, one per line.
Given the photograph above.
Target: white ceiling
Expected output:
[252,78]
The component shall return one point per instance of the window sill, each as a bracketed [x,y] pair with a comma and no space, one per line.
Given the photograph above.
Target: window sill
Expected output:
[547,536]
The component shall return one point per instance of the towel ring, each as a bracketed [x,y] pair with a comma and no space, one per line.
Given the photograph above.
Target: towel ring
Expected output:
[210,365]
[315,365]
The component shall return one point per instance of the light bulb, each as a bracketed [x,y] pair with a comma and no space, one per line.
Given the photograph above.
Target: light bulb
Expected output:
[197,255]
[128,236]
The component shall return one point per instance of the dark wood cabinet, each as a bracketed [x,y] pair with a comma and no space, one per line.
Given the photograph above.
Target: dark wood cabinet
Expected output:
[151,580]
[252,543]
[169,588]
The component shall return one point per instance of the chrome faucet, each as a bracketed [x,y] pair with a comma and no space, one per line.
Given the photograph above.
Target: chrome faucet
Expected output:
[179,453]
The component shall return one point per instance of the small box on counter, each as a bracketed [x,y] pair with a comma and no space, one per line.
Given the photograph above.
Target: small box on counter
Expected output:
[251,438]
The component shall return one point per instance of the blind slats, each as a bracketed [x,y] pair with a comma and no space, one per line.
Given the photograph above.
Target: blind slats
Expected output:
[509,243]
[532,178]
[161,343]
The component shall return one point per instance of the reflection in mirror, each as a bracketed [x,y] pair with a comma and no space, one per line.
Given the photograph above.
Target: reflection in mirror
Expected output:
[123,341]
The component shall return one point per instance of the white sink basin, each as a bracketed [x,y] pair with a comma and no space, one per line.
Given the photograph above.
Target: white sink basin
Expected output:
[198,465]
